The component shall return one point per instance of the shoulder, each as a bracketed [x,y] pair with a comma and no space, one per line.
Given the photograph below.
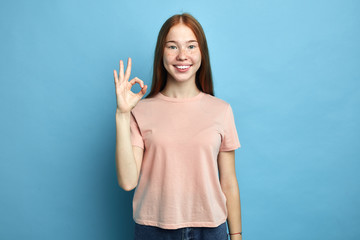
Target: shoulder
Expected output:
[145,101]
[143,105]
[216,101]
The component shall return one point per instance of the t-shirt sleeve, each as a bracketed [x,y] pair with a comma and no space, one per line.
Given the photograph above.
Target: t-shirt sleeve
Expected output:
[135,134]
[230,140]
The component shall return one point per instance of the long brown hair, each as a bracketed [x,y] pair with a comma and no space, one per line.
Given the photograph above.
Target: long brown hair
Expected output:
[203,76]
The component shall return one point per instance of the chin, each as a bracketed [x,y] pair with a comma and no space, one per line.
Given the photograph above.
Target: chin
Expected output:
[181,79]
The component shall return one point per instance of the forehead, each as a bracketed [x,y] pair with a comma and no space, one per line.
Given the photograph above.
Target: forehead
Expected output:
[181,33]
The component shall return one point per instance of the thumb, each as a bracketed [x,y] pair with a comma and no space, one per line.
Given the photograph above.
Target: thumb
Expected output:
[142,92]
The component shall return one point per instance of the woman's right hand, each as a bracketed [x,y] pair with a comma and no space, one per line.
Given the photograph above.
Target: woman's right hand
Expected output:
[125,98]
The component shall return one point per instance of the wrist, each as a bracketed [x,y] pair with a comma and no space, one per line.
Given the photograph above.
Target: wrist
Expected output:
[122,114]
[235,236]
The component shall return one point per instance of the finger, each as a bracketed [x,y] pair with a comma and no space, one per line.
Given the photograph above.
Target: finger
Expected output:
[137,80]
[121,71]
[128,69]
[142,92]
[115,78]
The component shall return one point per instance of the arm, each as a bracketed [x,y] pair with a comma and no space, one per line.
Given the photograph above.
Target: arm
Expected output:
[230,187]
[128,158]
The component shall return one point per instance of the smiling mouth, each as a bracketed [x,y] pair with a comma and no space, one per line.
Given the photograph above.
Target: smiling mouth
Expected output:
[182,67]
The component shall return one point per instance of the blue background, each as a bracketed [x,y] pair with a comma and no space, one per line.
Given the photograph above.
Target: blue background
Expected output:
[289,69]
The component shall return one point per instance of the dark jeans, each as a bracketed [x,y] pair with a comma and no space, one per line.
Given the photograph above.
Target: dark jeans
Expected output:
[144,232]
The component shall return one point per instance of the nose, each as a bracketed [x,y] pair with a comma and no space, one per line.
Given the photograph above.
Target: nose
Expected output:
[182,54]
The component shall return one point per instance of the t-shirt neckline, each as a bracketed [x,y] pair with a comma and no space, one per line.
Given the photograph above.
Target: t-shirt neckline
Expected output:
[172,99]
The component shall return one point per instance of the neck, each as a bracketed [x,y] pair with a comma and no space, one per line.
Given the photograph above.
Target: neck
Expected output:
[177,89]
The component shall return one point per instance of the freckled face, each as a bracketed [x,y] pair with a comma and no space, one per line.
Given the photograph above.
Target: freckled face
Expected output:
[182,56]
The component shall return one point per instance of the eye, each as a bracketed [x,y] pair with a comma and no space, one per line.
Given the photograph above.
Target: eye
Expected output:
[172,47]
[192,46]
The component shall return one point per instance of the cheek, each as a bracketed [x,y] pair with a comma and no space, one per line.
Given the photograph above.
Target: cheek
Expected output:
[197,58]
[166,58]
[166,62]
[197,55]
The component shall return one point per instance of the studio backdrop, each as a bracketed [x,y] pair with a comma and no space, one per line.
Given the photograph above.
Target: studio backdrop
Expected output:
[289,69]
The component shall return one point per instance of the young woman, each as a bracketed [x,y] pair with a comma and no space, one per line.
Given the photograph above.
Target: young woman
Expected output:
[176,146]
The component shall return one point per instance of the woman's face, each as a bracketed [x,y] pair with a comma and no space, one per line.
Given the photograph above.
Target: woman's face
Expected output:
[182,56]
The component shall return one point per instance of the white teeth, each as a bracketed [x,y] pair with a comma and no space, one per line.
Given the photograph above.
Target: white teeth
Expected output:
[182,67]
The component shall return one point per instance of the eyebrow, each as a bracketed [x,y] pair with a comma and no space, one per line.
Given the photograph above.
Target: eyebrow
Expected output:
[176,41]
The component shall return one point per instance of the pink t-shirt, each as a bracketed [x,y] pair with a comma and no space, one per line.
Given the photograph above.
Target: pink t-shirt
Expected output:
[179,183]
